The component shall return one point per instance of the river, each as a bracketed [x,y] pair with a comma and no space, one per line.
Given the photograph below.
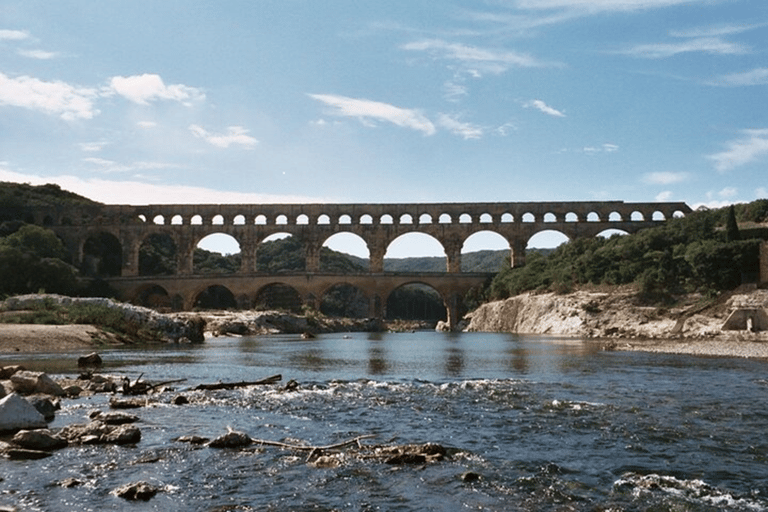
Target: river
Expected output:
[546,423]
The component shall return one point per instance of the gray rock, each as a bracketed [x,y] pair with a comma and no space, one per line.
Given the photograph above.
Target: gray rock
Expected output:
[43,440]
[28,383]
[231,439]
[16,414]
[136,491]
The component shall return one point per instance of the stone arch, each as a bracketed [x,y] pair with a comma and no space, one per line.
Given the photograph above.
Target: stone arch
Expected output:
[159,220]
[102,255]
[608,233]
[215,297]
[486,218]
[196,220]
[465,218]
[658,215]
[547,239]
[351,246]
[323,219]
[406,218]
[239,220]
[177,220]
[153,296]
[278,296]
[485,251]
[366,219]
[416,301]
[678,214]
[425,218]
[217,220]
[386,219]
[550,217]
[614,217]
[571,217]
[344,300]
[217,253]
[260,220]
[302,220]
[507,218]
[415,244]
[528,217]
[281,220]
[158,255]
[593,217]
[345,219]
[445,219]
[281,252]
[637,216]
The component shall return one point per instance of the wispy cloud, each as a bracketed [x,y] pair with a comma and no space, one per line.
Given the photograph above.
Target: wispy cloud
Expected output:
[55,98]
[143,89]
[751,146]
[481,60]
[711,45]
[109,166]
[543,107]
[13,35]
[92,147]
[456,127]
[369,112]
[757,76]
[604,148]
[235,136]
[665,178]
[38,54]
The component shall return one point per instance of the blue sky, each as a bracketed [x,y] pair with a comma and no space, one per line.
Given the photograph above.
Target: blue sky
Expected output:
[399,101]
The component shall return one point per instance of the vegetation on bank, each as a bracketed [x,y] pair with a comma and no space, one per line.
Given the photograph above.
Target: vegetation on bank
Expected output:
[108,319]
[703,252]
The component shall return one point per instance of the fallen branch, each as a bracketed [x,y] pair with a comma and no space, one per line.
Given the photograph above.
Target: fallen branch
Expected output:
[307,448]
[274,379]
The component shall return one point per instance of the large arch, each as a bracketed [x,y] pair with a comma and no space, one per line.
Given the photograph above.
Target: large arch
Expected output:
[546,239]
[215,297]
[485,251]
[102,255]
[416,301]
[344,252]
[278,296]
[158,255]
[217,253]
[344,300]
[281,252]
[415,244]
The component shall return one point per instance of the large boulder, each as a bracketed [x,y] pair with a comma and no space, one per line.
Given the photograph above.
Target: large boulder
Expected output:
[29,383]
[42,440]
[17,414]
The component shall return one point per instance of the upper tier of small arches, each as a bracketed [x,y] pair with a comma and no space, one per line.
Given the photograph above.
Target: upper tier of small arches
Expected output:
[405,218]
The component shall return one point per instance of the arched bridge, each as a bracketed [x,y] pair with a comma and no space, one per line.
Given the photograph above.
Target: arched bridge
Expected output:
[378,225]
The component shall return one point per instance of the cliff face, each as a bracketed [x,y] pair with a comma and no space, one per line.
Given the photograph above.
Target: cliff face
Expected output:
[608,315]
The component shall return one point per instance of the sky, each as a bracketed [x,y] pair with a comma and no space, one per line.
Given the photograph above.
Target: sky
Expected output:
[350,101]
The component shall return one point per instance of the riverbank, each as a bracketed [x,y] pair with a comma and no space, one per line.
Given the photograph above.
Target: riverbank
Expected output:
[615,319]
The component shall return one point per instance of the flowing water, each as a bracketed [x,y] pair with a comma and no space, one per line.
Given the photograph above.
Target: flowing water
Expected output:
[546,424]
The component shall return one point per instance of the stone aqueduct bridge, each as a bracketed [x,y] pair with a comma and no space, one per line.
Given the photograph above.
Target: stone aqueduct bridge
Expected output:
[377,224]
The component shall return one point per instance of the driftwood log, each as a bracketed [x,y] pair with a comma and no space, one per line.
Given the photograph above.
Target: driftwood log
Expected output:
[274,379]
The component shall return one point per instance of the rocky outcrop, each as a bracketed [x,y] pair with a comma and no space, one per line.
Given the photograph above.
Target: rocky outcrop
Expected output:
[189,329]
[614,314]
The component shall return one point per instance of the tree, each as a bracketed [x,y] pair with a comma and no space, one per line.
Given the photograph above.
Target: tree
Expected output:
[731,227]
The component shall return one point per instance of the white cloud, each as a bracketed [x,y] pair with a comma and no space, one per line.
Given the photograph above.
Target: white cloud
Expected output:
[140,192]
[56,98]
[456,127]
[711,45]
[368,112]
[663,196]
[143,89]
[37,54]
[665,178]
[146,124]
[480,59]
[761,193]
[13,35]
[92,147]
[747,149]
[605,148]
[110,166]
[728,192]
[543,107]
[236,135]
[757,76]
